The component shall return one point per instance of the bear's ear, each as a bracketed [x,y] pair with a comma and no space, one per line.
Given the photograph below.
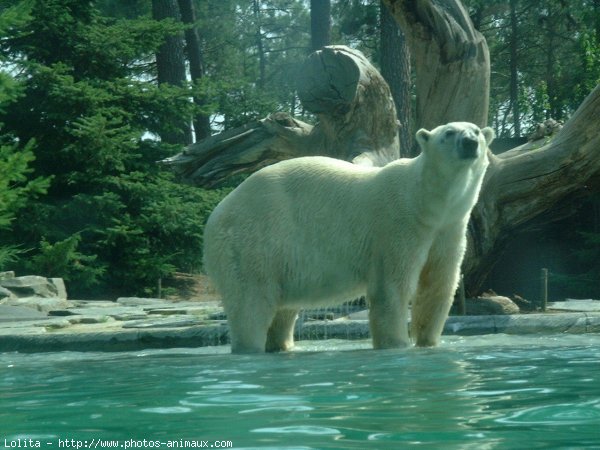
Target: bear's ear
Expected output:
[489,135]
[423,137]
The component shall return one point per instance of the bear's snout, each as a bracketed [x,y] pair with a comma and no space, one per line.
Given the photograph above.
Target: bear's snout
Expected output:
[468,148]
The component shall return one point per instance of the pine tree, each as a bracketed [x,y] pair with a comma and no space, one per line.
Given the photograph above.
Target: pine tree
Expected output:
[16,185]
[111,220]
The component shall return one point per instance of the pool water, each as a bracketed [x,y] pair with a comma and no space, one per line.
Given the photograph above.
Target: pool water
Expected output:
[477,392]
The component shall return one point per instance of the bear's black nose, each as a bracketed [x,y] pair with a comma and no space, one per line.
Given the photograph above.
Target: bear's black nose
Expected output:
[468,147]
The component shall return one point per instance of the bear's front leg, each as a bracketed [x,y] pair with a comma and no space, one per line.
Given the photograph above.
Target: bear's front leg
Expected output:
[437,284]
[388,317]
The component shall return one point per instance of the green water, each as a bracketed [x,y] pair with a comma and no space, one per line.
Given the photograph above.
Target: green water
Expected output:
[478,392]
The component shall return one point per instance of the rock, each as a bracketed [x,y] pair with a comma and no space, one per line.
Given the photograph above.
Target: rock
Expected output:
[128,316]
[87,320]
[172,322]
[10,313]
[6,275]
[167,311]
[491,305]
[56,324]
[59,284]
[523,304]
[30,286]
[61,313]
[41,304]
[571,304]
[136,301]
[5,294]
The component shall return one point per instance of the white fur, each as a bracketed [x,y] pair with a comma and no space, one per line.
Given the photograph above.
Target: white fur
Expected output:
[317,231]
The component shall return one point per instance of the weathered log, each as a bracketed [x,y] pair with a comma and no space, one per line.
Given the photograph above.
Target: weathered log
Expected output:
[354,104]
[528,183]
[357,122]
[242,150]
[451,61]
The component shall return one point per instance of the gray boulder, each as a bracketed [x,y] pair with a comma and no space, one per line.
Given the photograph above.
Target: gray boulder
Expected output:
[491,305]
[30,286]
[59,284]
[33,286]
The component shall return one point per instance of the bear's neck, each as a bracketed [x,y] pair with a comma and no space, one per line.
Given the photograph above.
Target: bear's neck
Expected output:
[447,194]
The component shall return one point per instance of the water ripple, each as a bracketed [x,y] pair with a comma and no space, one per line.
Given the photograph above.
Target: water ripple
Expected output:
[167,410]
[300,429]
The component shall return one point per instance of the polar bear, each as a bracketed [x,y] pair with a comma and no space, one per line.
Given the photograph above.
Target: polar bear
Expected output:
[316,231]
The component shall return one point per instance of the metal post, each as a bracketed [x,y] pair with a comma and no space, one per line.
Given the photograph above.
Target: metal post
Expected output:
[544,289]
[462,305]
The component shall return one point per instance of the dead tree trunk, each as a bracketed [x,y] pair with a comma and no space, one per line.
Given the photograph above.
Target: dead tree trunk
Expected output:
[526,183]
[395,69]
[357,122]
[357,116]
[451,61]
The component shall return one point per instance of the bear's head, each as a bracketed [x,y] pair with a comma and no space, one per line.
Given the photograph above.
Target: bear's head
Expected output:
[460,141]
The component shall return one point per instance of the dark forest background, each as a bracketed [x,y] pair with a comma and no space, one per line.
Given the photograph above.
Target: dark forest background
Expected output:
[93,93]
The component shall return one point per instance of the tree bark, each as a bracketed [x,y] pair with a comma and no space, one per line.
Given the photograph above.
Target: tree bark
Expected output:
[320,24]
[357,122]
[395,69]
[170,63]
[514,73]
[262,60]
[194,53]
[244,149]
[451,60]
[357,116]
[547,183]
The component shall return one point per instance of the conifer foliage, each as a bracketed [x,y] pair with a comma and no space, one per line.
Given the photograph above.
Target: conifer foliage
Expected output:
[81,125]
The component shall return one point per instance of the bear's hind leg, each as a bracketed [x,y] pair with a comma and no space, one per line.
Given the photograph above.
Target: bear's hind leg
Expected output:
[248,325]
[280,336]
[388,318]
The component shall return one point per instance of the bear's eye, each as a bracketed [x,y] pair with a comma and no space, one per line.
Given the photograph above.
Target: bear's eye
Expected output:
[449,133]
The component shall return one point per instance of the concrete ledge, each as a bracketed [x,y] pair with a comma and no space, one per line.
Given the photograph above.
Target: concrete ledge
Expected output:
[575,322]
[122,340]
[217,334]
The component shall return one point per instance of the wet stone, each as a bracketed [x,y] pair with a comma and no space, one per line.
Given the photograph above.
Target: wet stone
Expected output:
[167,311]
[55,324]
[220,315]
[10,313]
[5,293]
[171,322]
[137,301]
[39,303]
[61,313]
[78,320]
[128,316]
